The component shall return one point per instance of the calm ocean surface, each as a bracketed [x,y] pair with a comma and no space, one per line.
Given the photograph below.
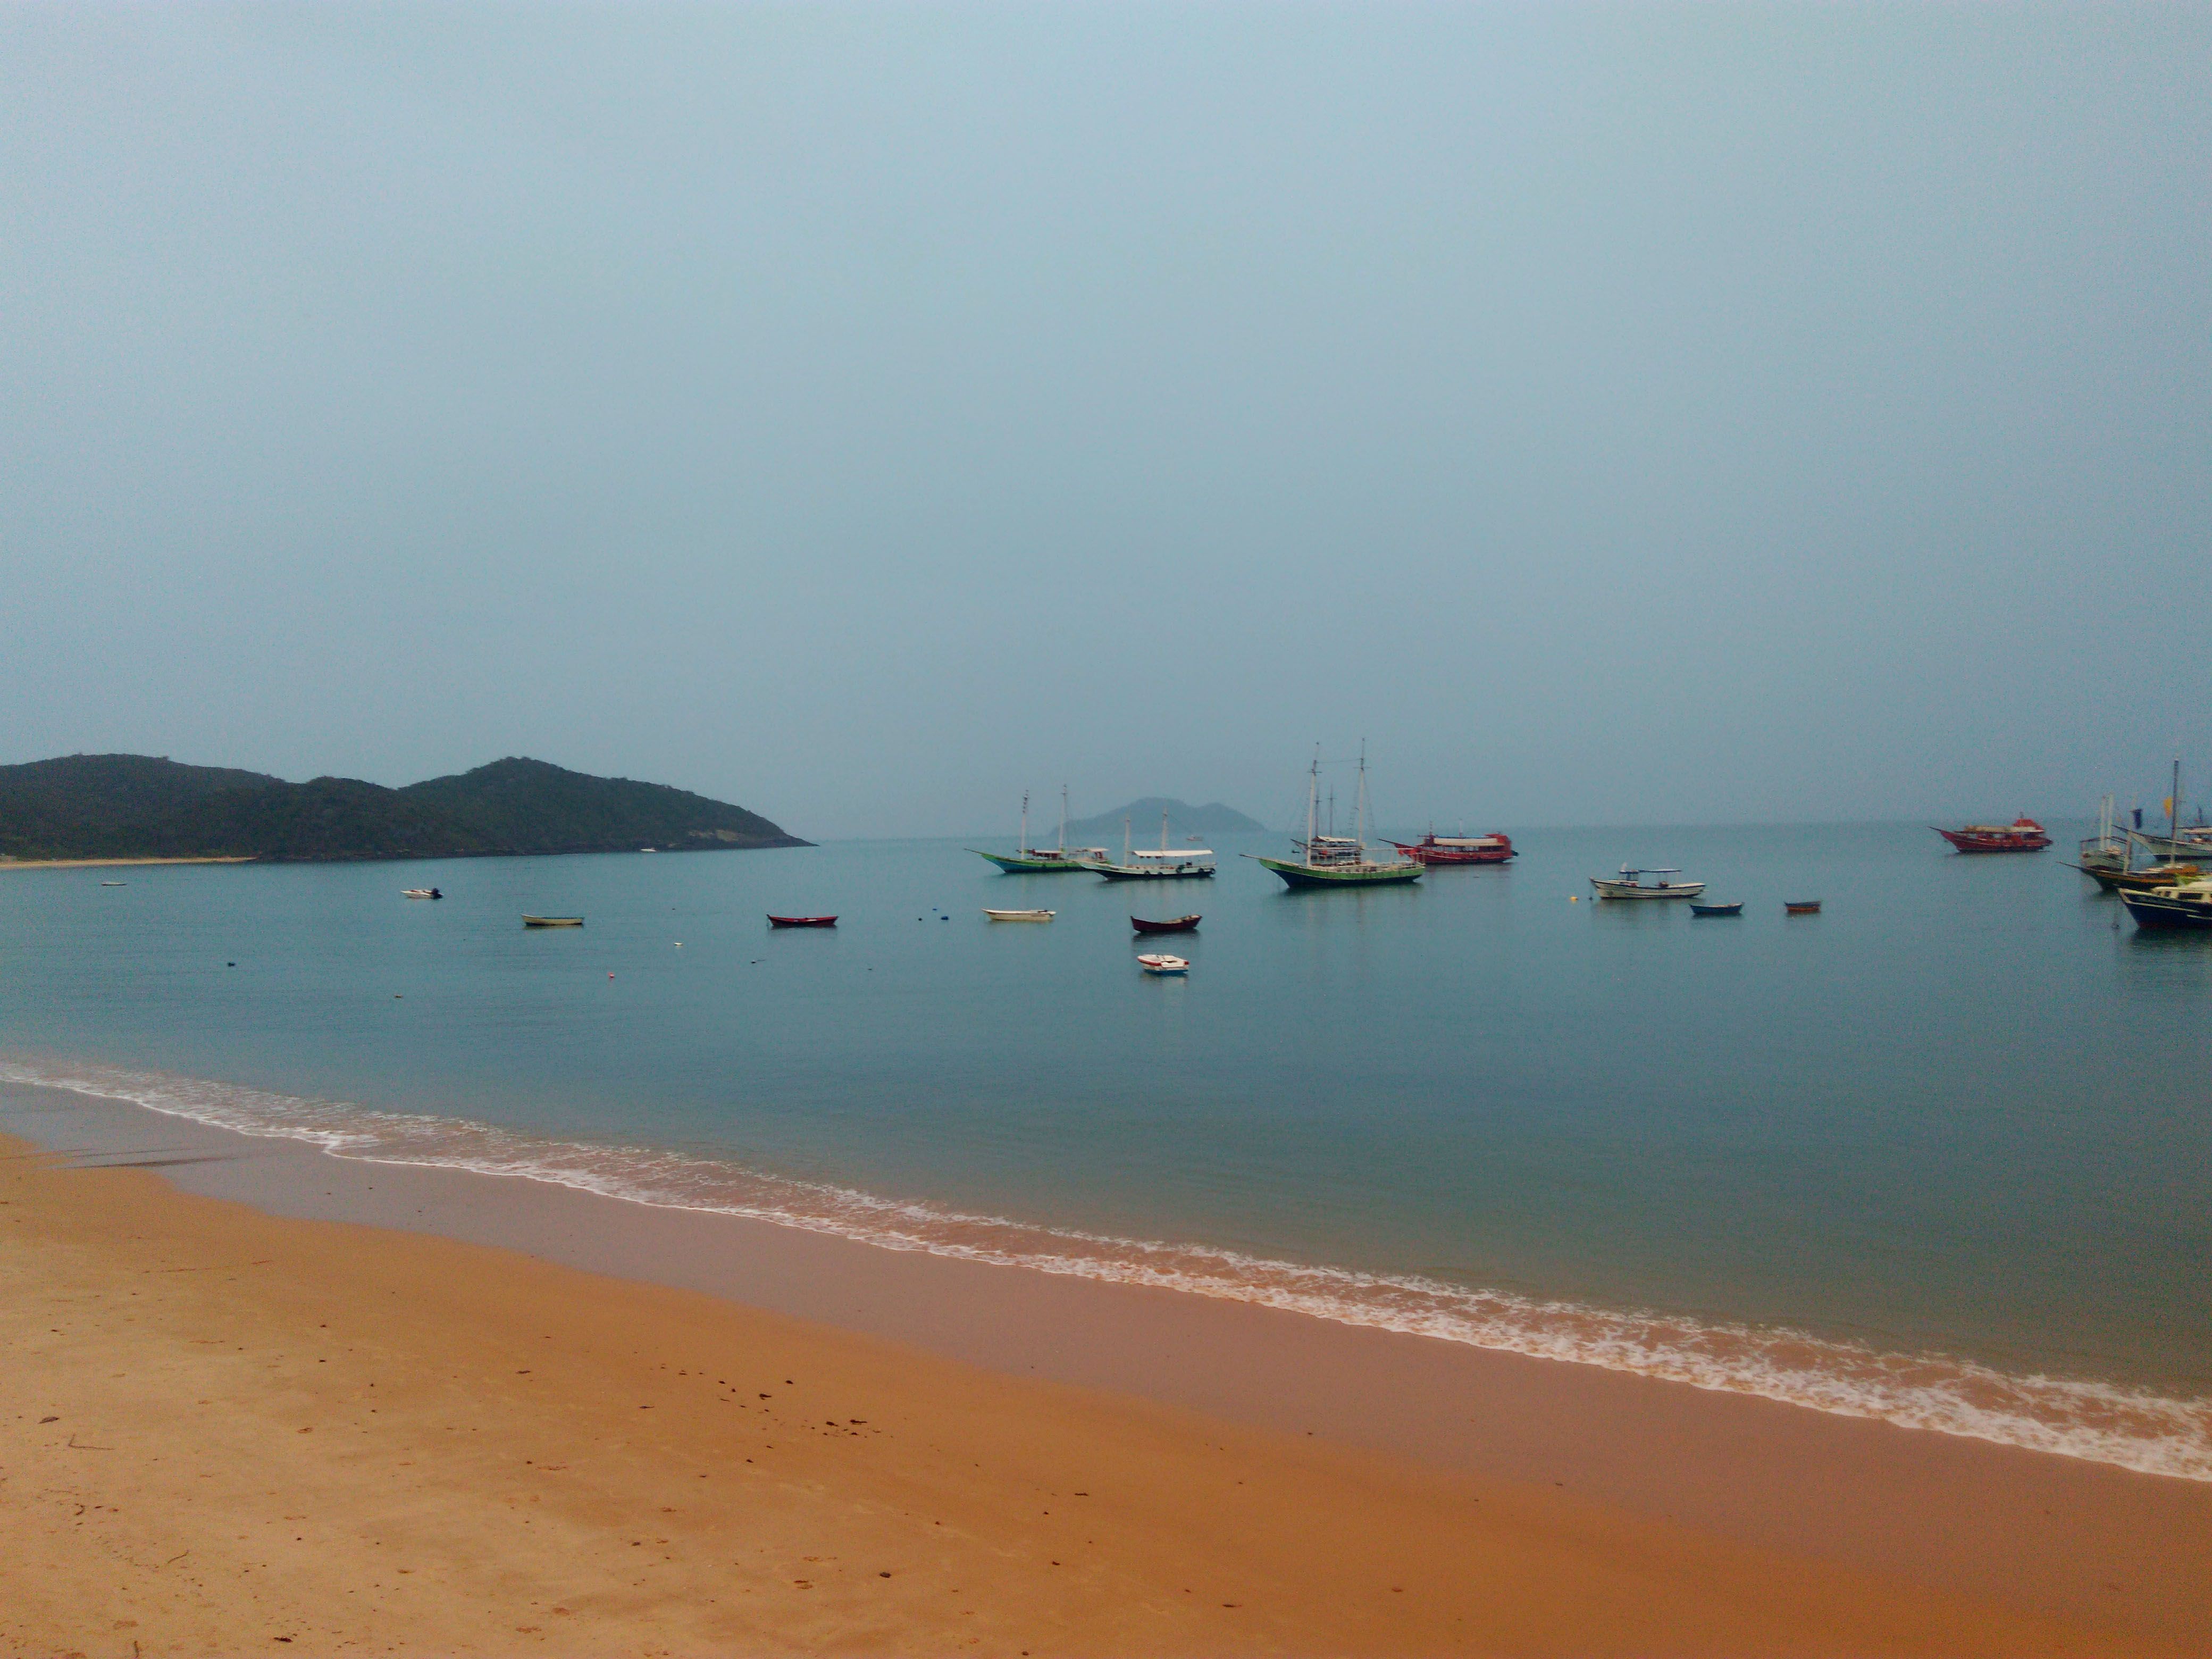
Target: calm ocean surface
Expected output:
[1939,1154]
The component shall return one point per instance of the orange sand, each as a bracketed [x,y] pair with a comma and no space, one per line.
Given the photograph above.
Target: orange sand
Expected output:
[223,1432]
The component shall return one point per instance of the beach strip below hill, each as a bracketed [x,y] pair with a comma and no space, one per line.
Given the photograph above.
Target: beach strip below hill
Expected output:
[224,1427]
[111,864]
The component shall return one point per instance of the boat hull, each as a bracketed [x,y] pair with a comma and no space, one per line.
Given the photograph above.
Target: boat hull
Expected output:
[1180,925]
[2168,913]
[1164,966]
[802,921]
[1019,864]
[1628,890]
[1020,916]
[1139,872]
[1421,852]
[2019,839]
[552,922]
[1349,875]
[1716,909]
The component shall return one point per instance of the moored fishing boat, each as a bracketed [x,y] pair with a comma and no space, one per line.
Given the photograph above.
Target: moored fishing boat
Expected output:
[1338,860]
[2022,835]
[1028,860]
[2110,848]
[552,922]
[2185,904]
[1629,884]
[1734,909]
[1164,964]
[1021,916]
[802,921]
[1495,847]
[1167,864]
[1801,907]
[420,893]
[1180,925]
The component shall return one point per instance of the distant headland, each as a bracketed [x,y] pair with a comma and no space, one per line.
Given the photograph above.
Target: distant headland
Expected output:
[96,807]
[1213,819]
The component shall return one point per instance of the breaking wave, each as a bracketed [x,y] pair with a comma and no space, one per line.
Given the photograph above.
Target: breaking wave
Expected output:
[2106,1423]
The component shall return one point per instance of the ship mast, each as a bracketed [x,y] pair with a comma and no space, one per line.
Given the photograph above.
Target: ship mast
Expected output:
[1313,802]
[1025,846]
[1063,818]
[1359,803]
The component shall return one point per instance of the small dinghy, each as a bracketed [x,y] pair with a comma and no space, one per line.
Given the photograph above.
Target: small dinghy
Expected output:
[552,922]
[1020,916]
[1164,965]
[1801,907]
[1735,909]
[802,921]
[421,892]
[1180,925]
[115,884]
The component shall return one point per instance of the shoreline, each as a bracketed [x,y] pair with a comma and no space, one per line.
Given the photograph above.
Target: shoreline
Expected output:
[116,864]
[2126,1425]
[2043,1537]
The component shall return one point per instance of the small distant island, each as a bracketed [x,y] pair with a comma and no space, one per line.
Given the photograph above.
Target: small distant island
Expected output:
[94,807]
[1183,819]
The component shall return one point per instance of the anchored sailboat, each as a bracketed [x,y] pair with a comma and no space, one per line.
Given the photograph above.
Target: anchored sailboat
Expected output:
[1028,860]
[1338,860]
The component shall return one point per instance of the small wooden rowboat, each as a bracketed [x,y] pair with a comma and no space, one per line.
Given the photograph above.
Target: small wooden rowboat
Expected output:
[1180,925]
[1735,909]
[1020,916]
[1164,965]
[802,921]
[421,892]
[552,922]
[1801,907]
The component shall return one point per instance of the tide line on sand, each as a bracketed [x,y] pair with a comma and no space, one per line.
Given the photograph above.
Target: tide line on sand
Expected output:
[2101,1422]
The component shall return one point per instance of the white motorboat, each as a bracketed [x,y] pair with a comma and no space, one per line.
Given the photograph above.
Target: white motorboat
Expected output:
[1021,916]
[421,892]
[1630,886]
[1163,964]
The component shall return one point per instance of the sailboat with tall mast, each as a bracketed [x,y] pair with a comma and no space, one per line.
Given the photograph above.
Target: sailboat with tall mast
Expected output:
[1334,861]
[1028,860]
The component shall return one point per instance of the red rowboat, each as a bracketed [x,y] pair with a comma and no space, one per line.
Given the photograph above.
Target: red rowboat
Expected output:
[2021,835]
[1180,925]
[802,921]
[1433,848]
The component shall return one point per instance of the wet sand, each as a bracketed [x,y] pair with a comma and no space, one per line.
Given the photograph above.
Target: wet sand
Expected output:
[269,1426]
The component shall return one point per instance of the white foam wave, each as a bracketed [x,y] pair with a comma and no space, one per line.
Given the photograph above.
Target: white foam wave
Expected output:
[2106,1423]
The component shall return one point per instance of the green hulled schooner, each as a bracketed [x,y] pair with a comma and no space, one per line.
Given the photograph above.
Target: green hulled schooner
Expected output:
[1338,860]
[1028,860]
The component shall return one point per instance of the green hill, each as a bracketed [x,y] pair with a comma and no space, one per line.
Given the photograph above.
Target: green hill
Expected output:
[138,806]
[528,807]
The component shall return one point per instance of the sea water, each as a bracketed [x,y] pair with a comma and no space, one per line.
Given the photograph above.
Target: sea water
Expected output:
[1939,1154]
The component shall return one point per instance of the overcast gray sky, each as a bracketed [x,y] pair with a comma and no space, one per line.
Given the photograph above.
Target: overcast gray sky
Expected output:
[861,412]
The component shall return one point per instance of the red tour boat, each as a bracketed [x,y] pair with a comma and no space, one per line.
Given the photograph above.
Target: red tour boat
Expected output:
[802,921]
[2021,835]
[1433,848]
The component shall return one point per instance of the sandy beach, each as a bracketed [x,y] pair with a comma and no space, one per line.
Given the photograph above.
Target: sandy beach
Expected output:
[106,864]
[229,1429]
